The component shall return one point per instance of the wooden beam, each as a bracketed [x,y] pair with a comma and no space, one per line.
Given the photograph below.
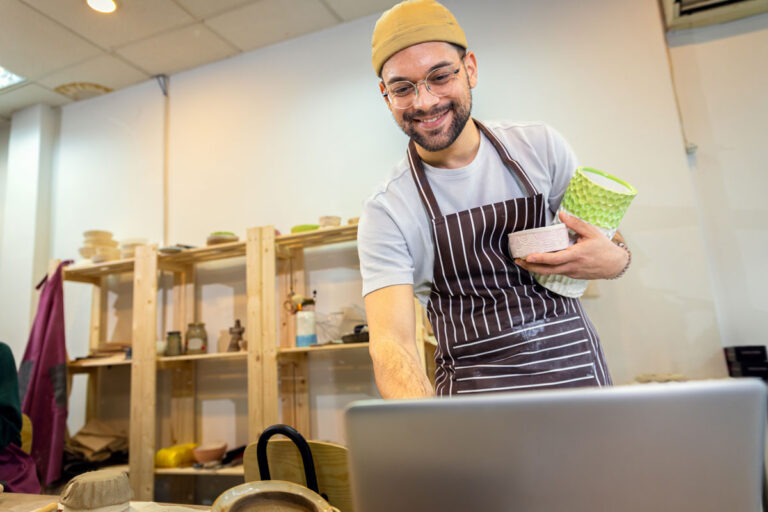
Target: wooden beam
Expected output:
[294,393]
[183,403]
[98,306]
[253,330]
[291,275]
[143,375]
[268,336]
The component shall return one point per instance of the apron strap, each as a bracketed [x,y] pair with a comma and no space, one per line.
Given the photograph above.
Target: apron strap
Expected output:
[511,163]
[425,190]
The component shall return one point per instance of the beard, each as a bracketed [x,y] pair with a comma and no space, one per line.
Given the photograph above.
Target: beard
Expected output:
[442,137]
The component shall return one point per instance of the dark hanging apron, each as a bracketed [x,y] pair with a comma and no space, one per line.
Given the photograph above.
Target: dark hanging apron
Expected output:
[497,329]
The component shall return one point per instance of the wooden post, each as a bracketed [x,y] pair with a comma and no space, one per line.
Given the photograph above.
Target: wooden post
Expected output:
[268,338]
[294,393]
[253,329]
[184,306]
[183,403]
[98,301]
[290,274]
[301,396]
[143,375]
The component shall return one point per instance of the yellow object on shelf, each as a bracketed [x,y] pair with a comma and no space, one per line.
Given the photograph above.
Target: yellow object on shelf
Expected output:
[175,456]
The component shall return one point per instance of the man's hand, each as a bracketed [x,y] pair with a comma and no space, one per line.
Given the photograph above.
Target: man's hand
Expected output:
[593,256]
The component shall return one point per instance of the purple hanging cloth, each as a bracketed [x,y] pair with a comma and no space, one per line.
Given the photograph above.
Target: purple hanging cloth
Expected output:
[43,380]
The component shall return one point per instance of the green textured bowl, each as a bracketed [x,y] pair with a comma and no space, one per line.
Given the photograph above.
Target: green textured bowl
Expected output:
[597,197]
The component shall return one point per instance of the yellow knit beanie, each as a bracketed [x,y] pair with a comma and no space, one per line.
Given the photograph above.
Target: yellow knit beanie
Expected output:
[412,22]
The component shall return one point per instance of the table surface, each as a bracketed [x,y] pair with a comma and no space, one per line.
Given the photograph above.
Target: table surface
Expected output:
[14,502]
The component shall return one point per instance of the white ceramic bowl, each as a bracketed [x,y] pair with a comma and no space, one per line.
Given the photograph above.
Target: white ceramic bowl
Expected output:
[89,242]
[132,242]
[546,239]
[329,221]
[97,234]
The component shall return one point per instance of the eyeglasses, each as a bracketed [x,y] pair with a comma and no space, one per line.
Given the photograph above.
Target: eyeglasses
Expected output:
[438,82]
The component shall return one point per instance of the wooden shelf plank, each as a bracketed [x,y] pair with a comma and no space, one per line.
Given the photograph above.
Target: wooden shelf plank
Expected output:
[321,348]
[199,357]
[317,237]
[88,273]
[208,253]
[85,365]
[189,470]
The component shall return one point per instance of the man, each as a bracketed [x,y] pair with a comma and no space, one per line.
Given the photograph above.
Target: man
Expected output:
[437,228]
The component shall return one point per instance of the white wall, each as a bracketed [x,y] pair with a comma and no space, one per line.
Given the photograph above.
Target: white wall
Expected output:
[26,220]
[287,133]
[5,132]
[721,74]
[108,175]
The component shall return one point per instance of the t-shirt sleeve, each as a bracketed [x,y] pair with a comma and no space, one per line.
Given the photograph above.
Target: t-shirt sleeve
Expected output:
[562,164]
[384,256]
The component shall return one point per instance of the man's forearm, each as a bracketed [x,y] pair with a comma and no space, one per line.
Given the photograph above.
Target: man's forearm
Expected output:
[399,373]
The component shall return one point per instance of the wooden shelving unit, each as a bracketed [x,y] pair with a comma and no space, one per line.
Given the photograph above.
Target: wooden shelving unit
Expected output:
[270,332]
[145,364]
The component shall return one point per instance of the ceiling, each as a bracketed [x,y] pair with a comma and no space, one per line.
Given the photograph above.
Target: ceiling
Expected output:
[57,42]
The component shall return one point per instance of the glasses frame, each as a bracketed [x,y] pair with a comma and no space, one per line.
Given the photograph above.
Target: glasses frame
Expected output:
[415,85]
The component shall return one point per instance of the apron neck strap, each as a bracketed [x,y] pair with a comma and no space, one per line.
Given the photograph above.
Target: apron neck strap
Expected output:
[420,177]
[513,165]
[425,190]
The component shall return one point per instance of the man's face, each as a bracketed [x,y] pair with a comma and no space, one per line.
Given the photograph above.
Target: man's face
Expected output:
[432,122]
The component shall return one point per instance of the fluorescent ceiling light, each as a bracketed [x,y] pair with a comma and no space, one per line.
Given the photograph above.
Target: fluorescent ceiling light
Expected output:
[105,6]
[8,79]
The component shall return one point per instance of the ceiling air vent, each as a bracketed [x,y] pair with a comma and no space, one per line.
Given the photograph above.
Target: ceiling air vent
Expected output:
[681,14]
[82,90]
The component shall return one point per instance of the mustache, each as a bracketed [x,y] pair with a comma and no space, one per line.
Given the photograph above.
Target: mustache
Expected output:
[431,113]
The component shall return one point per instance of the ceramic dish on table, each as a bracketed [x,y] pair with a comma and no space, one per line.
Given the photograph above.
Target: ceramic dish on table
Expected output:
[271,496]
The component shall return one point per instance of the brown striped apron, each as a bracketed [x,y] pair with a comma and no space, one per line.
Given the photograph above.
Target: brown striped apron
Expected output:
[497,329]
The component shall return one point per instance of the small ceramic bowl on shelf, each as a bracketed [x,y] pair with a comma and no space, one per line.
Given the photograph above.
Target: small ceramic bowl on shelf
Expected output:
[209,452]
[221,237]
[86,252]
[329,221]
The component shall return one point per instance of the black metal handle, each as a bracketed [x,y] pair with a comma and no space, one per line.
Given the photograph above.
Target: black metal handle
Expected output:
[301,443]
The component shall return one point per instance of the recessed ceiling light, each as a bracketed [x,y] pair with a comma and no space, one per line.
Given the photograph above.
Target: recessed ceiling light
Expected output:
[8,79]
[105,6]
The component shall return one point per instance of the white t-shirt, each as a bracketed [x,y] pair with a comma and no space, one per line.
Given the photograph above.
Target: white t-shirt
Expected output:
[394,236]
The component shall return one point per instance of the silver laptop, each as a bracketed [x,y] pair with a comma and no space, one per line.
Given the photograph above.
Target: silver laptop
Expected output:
[655,447]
